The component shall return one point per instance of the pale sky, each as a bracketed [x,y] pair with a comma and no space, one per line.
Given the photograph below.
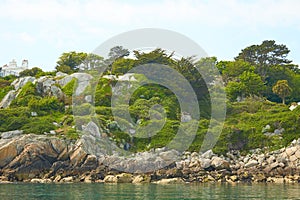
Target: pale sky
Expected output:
[41,31]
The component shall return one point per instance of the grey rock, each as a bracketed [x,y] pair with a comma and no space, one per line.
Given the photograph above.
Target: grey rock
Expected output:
[11,134]
[251,163]
[60,74]
[65,80]
[34,114]
[93,129]
[278,131]
[266,128]
[88,98]
[83,81]
[20,82]
[169,155]
[205,163]
[219,163]
[186,117]
[208,154]
[8,98]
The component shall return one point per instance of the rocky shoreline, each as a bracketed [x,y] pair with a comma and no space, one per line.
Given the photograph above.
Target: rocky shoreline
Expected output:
[48,159]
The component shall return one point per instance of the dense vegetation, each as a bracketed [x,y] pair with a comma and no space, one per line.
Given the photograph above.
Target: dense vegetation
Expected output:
[259,83]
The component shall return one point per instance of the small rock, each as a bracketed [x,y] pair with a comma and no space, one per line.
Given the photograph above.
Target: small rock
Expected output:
[110,179]
[124,178]
[251,163]
[67,179]
[208,154]
[170,181]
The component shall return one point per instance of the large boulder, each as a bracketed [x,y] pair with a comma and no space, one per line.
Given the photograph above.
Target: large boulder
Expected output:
[29,155]
[46,87]
[10,134]
[219,163]
[83,81]
[8,98]
[20,82]
[64,81]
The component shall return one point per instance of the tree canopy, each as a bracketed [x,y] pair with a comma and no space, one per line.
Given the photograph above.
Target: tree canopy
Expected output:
[265,55]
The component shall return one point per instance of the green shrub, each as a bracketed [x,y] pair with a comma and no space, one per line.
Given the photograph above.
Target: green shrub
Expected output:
[69,88]
[46,104]
[39,125]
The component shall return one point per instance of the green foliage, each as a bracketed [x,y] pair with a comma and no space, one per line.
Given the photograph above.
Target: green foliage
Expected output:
[70,62]
[46,104]
[264,56]
[83,109]
[27,93]
[35,71]
[14,118]
[249,84]
[69,88]
[231,70]
[5,90]
[122,66]
[246,120]
[103,93]
[252,83]
[39,125]
[157,56]
[282,89]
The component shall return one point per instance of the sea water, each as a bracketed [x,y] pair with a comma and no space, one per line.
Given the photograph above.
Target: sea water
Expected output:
[75,191]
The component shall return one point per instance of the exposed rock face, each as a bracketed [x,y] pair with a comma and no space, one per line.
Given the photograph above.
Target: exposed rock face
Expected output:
[49,86]
[8,98]
[46,87]
[65,80]
[20,82]
[83,81]
[29,155]
[44,159]
[10,134]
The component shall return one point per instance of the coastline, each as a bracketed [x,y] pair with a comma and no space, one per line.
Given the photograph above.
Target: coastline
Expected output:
[48,159]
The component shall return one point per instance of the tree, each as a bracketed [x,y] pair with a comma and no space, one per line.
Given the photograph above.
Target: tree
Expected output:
[31,72]
[265,55]
[282,89]
[157,56]
[118,52]
[249,84]
[231,70]
[92,61]
[70,62]
[122,66]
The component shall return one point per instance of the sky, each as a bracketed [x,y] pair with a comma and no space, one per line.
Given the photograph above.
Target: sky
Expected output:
[41,31]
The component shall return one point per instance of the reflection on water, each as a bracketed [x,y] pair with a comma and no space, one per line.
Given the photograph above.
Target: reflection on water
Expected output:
[149,191]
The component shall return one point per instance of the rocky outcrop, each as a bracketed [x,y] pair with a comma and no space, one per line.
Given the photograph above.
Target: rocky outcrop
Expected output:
[44,159]
[20,82]
[49,86]
[11,134]
[46,86]
[8,98]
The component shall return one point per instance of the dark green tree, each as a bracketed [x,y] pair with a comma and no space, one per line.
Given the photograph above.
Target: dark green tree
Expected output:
[35,71]
[157,56]
[71,61]
[264,56]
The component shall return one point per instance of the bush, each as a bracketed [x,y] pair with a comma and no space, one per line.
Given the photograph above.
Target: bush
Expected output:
[46,104]
[39,125]
[27,93]
[69,88]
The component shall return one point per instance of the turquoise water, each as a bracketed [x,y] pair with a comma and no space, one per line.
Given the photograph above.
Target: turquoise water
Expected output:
[148,191]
